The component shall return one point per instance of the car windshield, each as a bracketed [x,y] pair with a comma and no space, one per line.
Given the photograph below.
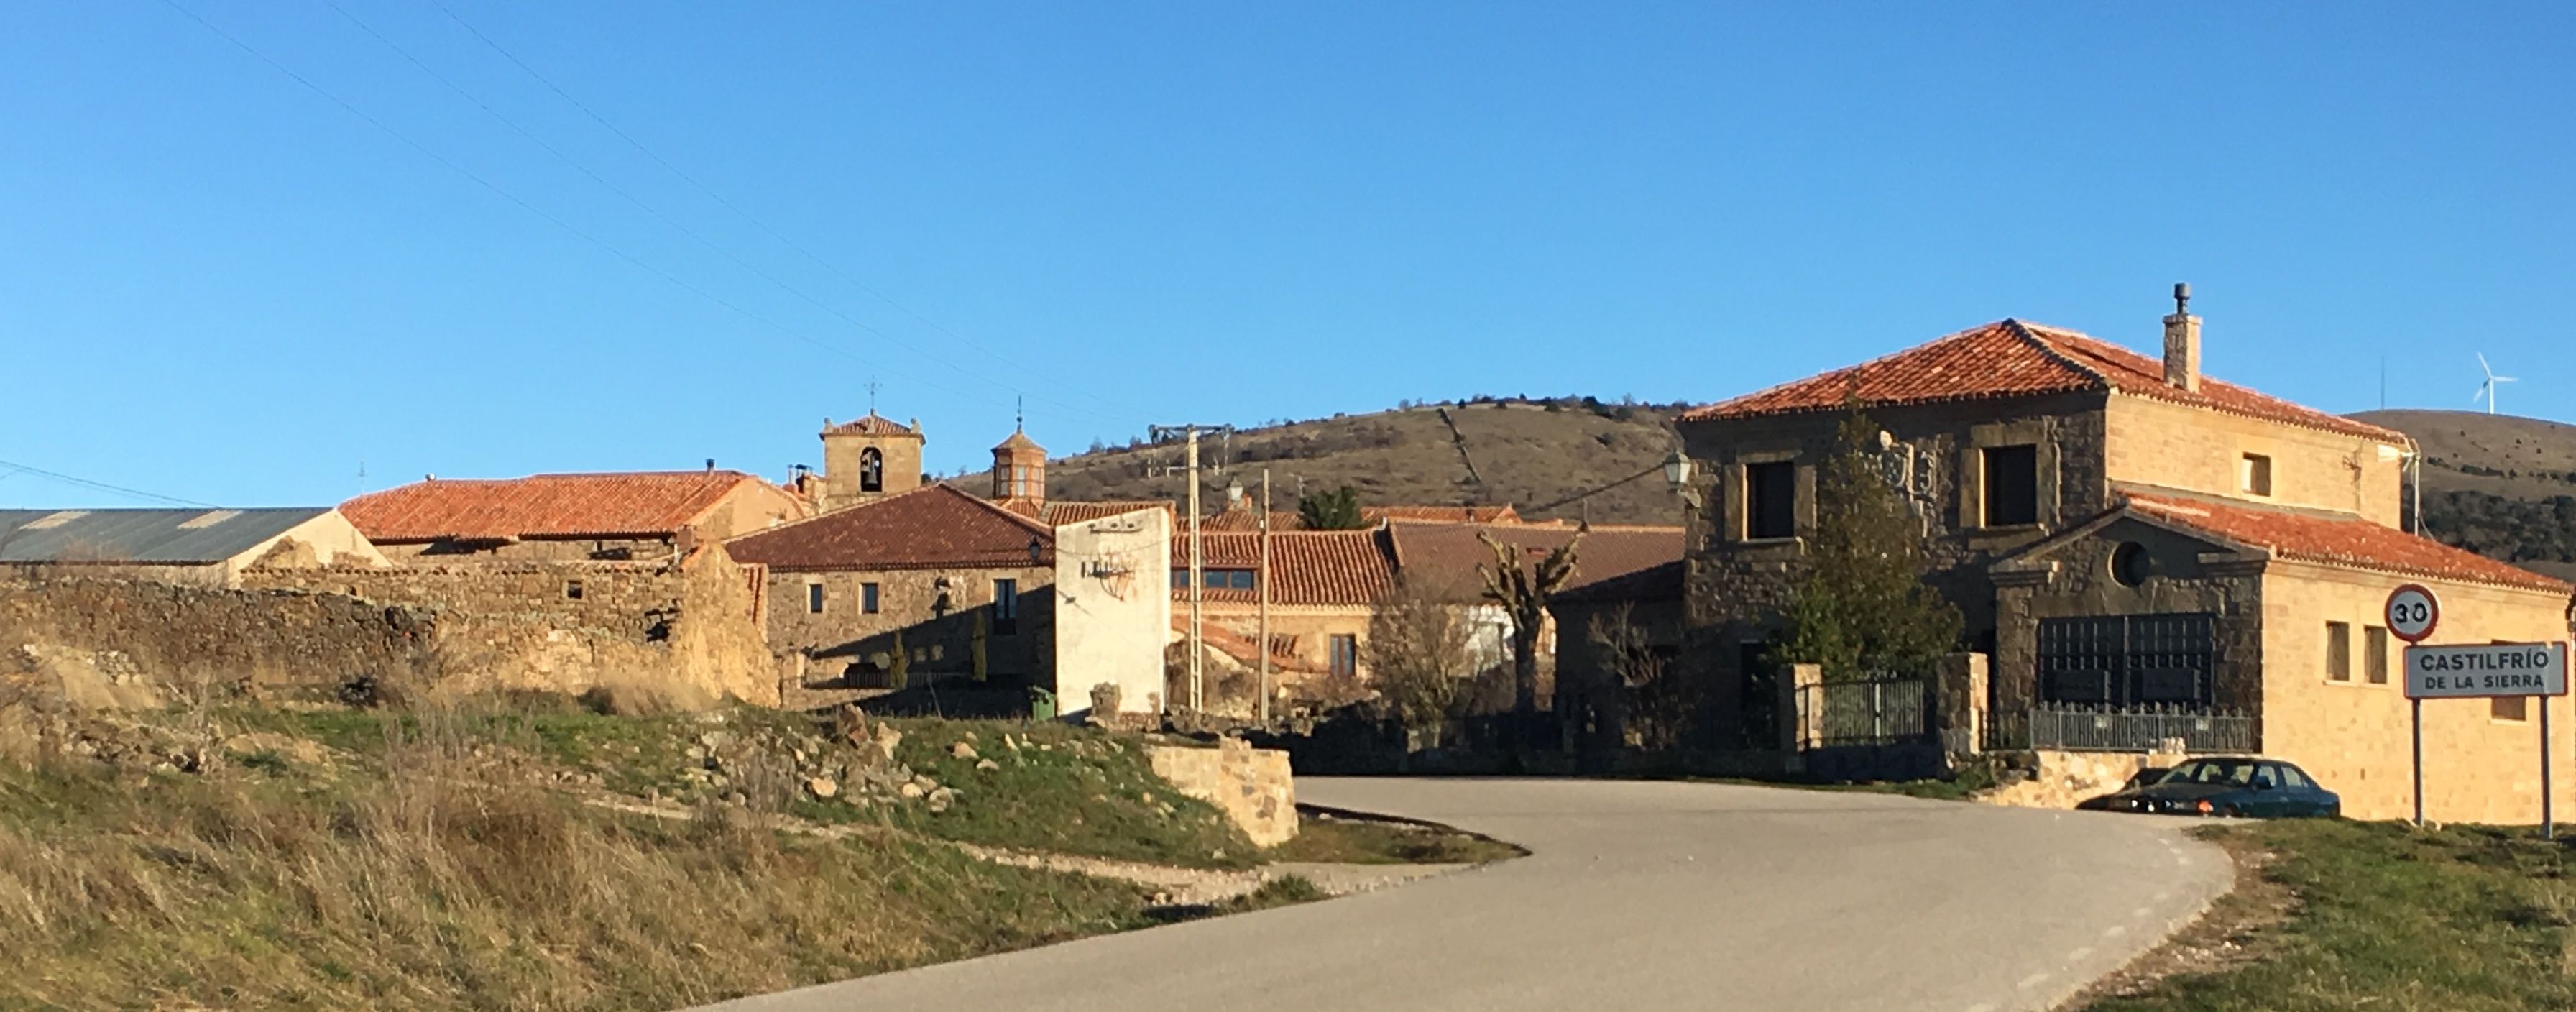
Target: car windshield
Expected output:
[2233,772]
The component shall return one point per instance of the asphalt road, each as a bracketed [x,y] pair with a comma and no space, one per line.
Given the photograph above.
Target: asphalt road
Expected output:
[1645,896]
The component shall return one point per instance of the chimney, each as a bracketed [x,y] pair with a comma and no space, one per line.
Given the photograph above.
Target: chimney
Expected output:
[2182,342]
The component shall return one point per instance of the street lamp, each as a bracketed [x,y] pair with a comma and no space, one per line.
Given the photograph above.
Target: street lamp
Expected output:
[1677,469]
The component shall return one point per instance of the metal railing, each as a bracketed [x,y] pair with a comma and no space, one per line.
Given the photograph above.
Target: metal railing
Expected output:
[2078,728]
[1878,711]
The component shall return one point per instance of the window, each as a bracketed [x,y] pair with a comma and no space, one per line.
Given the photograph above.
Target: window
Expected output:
[1217,579]
[871,470]
[2291,777]
[2513,708]
[2374,659]
[2338,652]
[572,590]
[1346,656]
[813,599]
[2127,660]
[2012,485]
[1006,607]
[867,599]
[2130,564]
[2254,477]
[1771,500]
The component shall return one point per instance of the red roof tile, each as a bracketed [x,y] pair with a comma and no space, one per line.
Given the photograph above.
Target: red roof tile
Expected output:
[2010,358]
[1238,518]
[614,504]
[1450,554]
[1054,513]
[932,527]
[871,424]
[1331,568]
[2336,540]
[1241,648]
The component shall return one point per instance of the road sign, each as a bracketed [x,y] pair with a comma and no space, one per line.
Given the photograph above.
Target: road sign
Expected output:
[2413,612]
[2498,669]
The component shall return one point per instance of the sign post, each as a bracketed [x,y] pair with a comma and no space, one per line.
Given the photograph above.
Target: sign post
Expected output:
[2487,671]
[2413,612]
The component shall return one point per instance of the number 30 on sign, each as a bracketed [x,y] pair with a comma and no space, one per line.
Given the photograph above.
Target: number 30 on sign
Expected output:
[2413,612]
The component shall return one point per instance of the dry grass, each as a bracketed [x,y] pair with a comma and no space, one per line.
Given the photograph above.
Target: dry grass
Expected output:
[423,883]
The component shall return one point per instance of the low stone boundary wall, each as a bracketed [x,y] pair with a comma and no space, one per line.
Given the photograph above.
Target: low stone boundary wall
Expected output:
[1251,786]
[2064,778]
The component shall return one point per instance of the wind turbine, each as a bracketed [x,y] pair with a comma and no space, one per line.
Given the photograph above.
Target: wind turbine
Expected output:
[2487,389]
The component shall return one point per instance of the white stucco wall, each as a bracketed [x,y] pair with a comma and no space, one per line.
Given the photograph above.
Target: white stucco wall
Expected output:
[1113,608]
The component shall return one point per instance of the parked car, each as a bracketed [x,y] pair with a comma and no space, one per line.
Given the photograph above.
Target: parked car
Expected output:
[2239,786]
[2118,801]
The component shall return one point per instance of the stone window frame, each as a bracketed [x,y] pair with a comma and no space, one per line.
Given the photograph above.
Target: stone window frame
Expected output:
[814,597]
[1739,498]
[2032,432]
[871,598]
[2339,649]
[2255,475]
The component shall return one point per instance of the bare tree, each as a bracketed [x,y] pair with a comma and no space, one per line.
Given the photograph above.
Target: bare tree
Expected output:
[1420,656]
[1523,592]
[1650,703]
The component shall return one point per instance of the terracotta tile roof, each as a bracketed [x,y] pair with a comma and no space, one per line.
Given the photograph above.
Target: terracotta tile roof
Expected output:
[1057,514]
[1449,554]
[1238,518]
[871,424]
[2335,540]
[612,504]
[1020,440]
[1331,568]
[932,527]
[2011,358]
[1240,647]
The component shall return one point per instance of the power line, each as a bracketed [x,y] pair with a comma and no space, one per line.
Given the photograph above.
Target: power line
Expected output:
[756,222]
[15,469]
[639,202]
[496,189]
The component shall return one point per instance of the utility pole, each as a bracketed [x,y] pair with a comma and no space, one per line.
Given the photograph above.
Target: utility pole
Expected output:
[1198,556]
[1198,582]
[1264,583]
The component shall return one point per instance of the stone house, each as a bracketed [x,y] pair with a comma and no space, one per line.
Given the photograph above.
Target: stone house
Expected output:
[1324,586]
[943,569]
[2118,531]
[203,547]
[564,517]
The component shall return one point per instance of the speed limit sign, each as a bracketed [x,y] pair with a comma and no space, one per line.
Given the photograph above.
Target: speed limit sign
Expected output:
[2413,611]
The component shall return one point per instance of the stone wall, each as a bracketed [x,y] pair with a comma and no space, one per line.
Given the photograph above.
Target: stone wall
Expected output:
[2063,778]
[849,645]
[1736,588]
[184,636]
[1252,786]
[690,625]
[2175,446]
[2356,738]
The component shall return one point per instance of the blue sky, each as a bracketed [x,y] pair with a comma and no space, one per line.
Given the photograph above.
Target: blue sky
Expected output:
[219,285]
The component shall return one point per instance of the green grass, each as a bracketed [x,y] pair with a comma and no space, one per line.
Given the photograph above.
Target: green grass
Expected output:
[1072,790]
[2469,919]
[421,888]
[1369,841]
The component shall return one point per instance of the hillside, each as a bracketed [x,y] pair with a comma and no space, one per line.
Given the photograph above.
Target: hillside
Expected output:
[1527,453]
[2497,485]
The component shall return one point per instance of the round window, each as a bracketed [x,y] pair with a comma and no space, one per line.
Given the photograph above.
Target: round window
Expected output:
[2130,564]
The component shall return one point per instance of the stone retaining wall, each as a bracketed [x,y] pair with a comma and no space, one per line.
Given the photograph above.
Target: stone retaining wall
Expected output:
[1250,785]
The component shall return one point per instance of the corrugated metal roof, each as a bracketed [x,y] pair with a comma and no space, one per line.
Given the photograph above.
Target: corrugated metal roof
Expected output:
[162,536]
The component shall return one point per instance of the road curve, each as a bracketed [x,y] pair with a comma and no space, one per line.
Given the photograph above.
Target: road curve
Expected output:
[1644,895]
